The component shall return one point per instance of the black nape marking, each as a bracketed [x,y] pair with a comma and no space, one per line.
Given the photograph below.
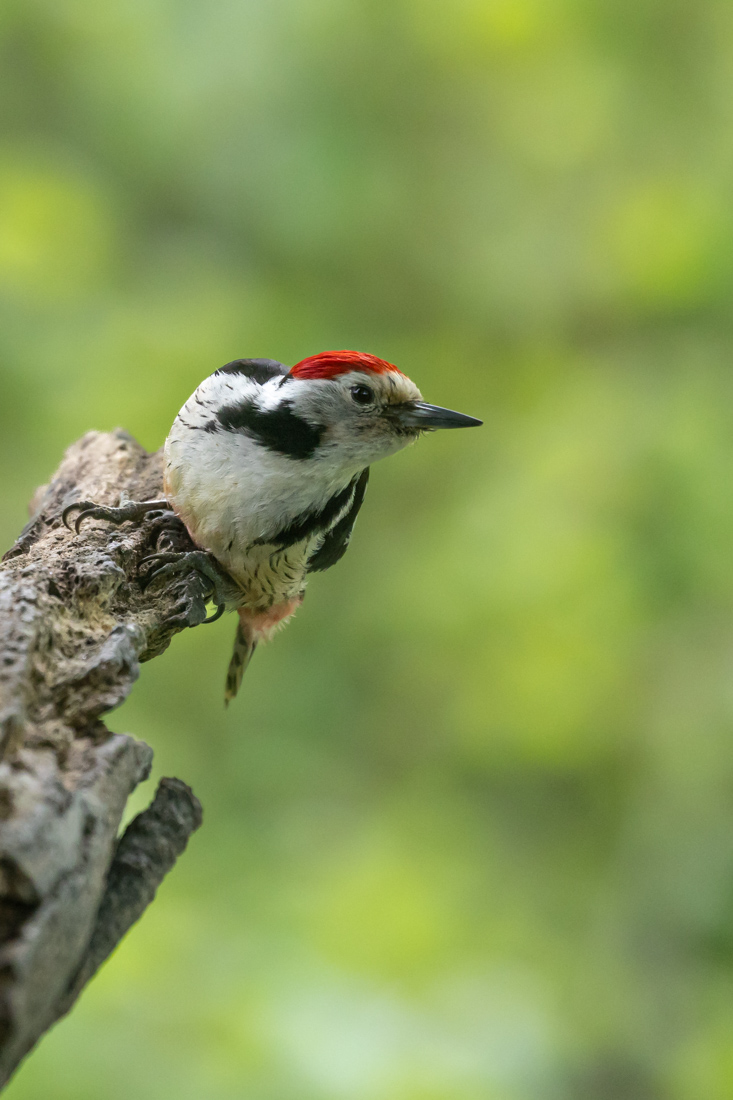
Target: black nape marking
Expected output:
[279,429]
[337,540]
[259,370]
[312,523]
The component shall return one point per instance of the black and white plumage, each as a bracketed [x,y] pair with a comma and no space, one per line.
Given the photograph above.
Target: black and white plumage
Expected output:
[268,466]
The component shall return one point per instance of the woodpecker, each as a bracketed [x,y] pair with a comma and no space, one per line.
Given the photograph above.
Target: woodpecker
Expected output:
[267,467]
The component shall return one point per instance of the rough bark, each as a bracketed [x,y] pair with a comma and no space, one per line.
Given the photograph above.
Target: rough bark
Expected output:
[75,623]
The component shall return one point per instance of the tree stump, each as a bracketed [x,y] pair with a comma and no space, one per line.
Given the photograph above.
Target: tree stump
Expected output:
[75,623]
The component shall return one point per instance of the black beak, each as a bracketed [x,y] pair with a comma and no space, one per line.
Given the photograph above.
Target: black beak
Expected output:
[424,418]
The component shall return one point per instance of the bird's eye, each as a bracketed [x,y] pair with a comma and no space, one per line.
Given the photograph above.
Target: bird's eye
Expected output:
[362,395]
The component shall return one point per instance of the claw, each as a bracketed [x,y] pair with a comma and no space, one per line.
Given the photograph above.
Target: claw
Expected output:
[133,510]
[171,565]
[220,609]
[166,558]
[85,506]
[168,570]
[165,521]
[79,519]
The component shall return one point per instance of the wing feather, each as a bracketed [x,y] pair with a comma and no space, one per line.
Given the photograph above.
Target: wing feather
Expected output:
[336,542]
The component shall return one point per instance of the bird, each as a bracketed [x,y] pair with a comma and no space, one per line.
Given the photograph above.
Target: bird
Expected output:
[267,467]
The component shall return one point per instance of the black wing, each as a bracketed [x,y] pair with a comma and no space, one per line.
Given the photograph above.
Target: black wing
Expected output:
[336,541]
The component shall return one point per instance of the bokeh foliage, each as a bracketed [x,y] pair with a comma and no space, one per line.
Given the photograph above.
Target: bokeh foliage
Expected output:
[469,828]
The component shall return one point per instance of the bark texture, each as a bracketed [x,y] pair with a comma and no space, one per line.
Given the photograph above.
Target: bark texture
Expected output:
[75,623]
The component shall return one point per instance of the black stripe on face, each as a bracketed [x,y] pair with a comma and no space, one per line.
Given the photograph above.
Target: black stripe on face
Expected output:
[311,523]
[279,430]
[259,370]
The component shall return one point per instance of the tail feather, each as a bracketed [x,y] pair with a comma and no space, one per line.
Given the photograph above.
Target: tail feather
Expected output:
[245,644]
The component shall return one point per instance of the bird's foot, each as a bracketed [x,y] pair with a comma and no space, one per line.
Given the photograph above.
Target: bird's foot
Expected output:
[199,582]
[167,531]
[129,510]
[218,587]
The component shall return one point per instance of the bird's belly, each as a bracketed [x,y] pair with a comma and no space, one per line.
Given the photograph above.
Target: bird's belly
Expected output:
[268,576]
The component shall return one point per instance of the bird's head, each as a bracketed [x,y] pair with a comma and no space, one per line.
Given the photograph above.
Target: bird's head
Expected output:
[364,407]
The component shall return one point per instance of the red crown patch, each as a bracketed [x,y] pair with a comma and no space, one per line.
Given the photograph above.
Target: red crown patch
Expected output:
[329,364]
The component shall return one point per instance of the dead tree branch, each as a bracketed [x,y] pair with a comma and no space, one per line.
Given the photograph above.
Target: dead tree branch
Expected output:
[75,623]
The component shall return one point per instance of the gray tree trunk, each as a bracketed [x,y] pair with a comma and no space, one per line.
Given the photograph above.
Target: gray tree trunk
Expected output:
[75,623]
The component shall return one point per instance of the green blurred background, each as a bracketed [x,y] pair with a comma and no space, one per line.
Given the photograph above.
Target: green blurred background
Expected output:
[469,826]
